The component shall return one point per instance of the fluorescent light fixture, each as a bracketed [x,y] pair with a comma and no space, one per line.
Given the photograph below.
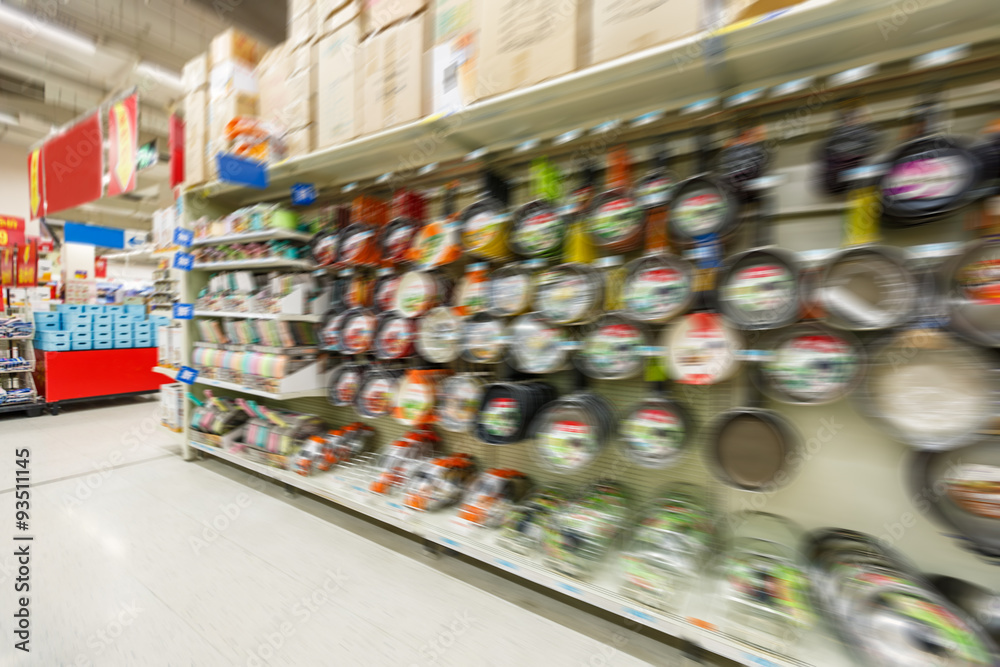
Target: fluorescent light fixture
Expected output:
[160,74]
[23,27]
[8,119]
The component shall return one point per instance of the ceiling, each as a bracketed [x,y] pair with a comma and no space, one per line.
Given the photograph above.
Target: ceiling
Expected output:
[45,84]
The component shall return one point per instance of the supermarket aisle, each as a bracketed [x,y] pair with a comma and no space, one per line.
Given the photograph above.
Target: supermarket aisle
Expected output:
[141,558]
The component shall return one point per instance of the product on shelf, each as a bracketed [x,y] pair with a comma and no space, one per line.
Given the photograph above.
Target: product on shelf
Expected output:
[415,399]
[539,229]
[616,221]
[578,535]
[492,495]
[852,142]
[345,380]
[439,242]
[655,188]
[701,349]
[394,337]
[399,460]
[470,295]
[537,347]
[744,159]
[811,365]
[613,348]
[483,339]
[975,292]
[867,288]
[418,292]
[459,403]
[215,417]
[509,291]
[703,206]
[438,340]
[357,333]
[275,437]
[571,432]
[255,218]
[439,483]
[385,290]
[657,288]
[334,447]
[656,432]
[521,530]
[486,222]
[669,548]
[376,393]
[16,327]
[507,410]
[570,294]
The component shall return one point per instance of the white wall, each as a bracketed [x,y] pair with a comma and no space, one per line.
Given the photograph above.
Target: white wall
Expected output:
[14,184]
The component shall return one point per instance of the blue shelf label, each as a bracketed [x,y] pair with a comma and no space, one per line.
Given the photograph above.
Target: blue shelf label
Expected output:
[241,171]
[184,261]
[183,237]
[187,375]
[507,564]
[303,194]
[641,615]
[570,589]
[451,543]
[183,311]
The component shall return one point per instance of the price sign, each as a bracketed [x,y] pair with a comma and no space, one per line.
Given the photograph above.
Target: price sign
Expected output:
[183,237]
[187,375]
[183,311]
[303,194]
[184,261]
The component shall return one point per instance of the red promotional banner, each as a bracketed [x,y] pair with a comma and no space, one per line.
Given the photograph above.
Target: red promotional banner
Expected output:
[27,264]
[7,267]
[176,151]
[100,267]
[73,166]
[36,184]
[11,230]
[123,139]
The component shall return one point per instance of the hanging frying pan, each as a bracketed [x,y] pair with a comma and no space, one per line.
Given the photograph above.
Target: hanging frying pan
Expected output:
[811,364]
[536,346]
[852,142]
[866,288]
[701,349]
[656,431]
[703,205]
[751,447]
[930,390]
[929,177]
[976,601]
[745,159]
[974,293]
[616,219]
[655,188]
[657,288]
[484,222]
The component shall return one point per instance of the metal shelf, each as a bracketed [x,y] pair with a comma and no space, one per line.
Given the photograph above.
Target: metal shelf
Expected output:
[287,396]
[269,263]
[246,237]
[163,370]
[283,317]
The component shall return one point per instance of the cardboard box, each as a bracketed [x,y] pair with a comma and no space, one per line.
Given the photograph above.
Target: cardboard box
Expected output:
[300,6]
[232,44]
[453,18]
[284,91]
[195,134]
[302,27]
[195,73]
[222,109]
[525,42]
[379,14]
[741,10]
[300,141]
[624,26]
[393,74]
[233,76]
[454,73]
[333,14]
[338,110]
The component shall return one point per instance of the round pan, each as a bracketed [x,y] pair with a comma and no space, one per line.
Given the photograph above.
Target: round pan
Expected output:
[973,299]
[701,206]
[866,288]
[760,289]
[750,449]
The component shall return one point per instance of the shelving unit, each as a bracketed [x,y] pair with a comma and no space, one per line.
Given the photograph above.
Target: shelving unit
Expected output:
[281,317]
[287,395]
[248,237]
[815,42]
[248,264]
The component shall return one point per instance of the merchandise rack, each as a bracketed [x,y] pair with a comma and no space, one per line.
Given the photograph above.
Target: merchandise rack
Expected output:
[282,317]
[651,92]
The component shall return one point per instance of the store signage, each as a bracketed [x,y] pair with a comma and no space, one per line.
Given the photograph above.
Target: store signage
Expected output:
[134,238]
[36,184]
[44,268]
[147,156]
[303,194]
[187,375]
[183,237]
[73,166]
[95,235]
[7,267]
[183,261]
[176,146]
[123,137]
[11,230]
[101,267]
[183,311]
[242,171]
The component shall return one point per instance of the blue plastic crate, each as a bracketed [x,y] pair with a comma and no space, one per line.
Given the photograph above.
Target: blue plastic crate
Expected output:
[104,336]
[142,341]
[126,327]
[103,327]
[53,346]
[48,317]
[72,318]
[52,336]
[114,309]
[123,344]
[143,328]
[81,336]
[103,345]
[83,345]
[48,326]
[136,310]
[104,319]
[93,309]
[69,308]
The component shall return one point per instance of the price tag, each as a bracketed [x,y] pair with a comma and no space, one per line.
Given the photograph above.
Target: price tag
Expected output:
[183,237]
[384,178]
[792,87]
[853,74]
[476,154]
[941,57]
[569,588]
[528,145]
[427,168]
[567,137]
[866,172]
[754,355]
[183,261]
[183,311]
[606,127]
[303,194]
[350,187]
[187,375]
[507,565]
[935,250]
[641,615]
[700,105]
[744,98]
[648,118]
[651,351]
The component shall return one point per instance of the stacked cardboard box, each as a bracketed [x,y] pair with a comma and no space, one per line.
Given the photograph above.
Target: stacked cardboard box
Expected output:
[380,14]
[284,77]
[195,78]
[233,89]
[454,55]
[339,101]
[393,74]
[619,27]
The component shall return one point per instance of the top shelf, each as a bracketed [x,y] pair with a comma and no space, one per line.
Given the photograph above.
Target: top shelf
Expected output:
[816,38]
[248,237]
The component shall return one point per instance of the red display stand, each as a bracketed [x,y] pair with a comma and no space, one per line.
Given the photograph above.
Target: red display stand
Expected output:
[71,376]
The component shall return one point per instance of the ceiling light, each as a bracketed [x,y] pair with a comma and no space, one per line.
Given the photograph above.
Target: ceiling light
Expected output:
[160,74]
[7,119]
[26,26]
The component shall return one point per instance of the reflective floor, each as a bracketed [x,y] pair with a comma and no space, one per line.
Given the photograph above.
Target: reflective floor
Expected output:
[141,558]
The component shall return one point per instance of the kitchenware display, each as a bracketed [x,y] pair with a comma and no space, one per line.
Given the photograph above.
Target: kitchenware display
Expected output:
[508,408]
[486,222]
[483,339]
[852,142]
[330,334]
[577,536]
[415,399]
[929,177]
[866,288]
[345,380]
[767,581]
[973,295]
[439,483]
[616,220]
[394,337]
[885,611]
[669,547]
[979,603]
[744,159]
[750,448]
[439,242]
[811,364]
[521,530]
[439,337]
[357,333]
[703,206]
[701,349]
[537,347]
[325,247]
[358,245]
[613,348]
[570,294]
[397,237]
[470,296]
[492,496]
[418,292]
[357,289]
[461,396]
[509,291]
[376,393]
[384,293]
[930,390]
[354,441]
[655,188]
[401,459]
[540,226]
[656,432]
[572,431]
[759,288]
[961,489]
[657,288]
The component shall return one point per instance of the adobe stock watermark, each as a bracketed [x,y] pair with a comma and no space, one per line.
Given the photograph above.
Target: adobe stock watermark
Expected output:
[37,14]
[103,639]
[300,613]
[901,13]
[434,649]
[923,502]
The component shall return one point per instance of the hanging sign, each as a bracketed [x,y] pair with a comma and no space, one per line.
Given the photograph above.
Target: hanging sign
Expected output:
[101,267]
[7,267]
[176,145]
[27,264]
[11,230]
[36,184]
[73,166]
[123,137]
[147,156]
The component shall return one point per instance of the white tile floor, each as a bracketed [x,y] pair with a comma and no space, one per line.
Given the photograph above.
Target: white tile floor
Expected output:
[141,558]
